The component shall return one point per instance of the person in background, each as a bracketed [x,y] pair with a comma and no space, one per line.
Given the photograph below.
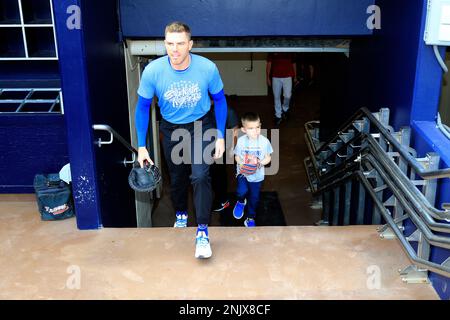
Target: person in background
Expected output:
[281,72]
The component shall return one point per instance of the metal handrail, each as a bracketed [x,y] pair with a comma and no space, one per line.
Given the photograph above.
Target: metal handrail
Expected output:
[412,191]
[429,211]
[369,161]
[406,184]
[378,164]
[440,227]
[409,250]
[114,134]
[364,112]
[420,202]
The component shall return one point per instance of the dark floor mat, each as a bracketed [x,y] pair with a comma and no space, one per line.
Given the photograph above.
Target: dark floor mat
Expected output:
[269,212]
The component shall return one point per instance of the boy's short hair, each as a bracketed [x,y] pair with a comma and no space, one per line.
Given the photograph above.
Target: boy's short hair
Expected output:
[178,26]
[250,116]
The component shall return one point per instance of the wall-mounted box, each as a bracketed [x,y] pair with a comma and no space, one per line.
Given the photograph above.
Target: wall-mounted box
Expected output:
[437,27]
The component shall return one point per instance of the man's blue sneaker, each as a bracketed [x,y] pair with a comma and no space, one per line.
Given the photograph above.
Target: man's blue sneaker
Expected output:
[202,246]
[181,219]
[238,211]
[249,223]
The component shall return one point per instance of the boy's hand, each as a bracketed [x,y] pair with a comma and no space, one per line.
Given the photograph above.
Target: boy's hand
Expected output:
[143,156]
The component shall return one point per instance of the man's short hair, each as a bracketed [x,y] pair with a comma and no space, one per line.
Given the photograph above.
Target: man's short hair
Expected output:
[250,116]
[178,26]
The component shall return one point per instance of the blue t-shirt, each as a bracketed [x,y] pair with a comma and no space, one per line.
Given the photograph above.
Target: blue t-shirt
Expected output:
[182,95]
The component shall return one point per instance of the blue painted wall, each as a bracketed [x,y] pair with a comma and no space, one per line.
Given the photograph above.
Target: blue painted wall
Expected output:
[143,18]
[381,70]
[30,144]
[383,67]
[29,74]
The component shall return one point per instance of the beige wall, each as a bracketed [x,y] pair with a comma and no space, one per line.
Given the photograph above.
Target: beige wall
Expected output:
[444,108]
[236,79]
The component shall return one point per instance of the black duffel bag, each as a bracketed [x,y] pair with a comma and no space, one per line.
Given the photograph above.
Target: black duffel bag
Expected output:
[54,197]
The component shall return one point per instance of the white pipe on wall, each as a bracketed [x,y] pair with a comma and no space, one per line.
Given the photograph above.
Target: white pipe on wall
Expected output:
[146,47]
[156,47]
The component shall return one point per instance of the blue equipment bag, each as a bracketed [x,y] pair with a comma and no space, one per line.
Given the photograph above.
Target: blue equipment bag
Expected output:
[54,197]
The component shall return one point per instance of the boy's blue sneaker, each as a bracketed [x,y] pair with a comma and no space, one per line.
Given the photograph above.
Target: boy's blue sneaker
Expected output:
[238,211]
[181,219]
[202,245]
[249,223]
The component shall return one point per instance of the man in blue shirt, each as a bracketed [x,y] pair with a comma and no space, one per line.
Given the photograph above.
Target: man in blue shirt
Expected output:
[183,83]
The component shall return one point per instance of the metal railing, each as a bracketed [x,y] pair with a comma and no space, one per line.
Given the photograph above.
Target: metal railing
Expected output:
[114,134]
[443,269]
[365,113]
[31,100]
[367,150]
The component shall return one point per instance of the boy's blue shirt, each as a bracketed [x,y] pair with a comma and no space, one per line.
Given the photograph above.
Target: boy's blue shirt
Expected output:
[247,148]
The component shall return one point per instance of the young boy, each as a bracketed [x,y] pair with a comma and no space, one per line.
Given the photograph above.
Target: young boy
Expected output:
[252,153]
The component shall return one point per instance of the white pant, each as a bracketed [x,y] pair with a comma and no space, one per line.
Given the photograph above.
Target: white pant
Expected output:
[279,84]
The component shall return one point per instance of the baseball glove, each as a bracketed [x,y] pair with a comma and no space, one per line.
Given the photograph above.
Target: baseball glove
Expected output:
[248,169]
[144,179]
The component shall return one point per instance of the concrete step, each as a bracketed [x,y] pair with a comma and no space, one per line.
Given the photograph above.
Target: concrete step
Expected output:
[55,260]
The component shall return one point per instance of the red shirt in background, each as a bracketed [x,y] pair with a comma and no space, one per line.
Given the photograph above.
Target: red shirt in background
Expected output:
[281,64]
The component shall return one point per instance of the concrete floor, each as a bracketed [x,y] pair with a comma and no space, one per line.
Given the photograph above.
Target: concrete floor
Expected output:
[54,260]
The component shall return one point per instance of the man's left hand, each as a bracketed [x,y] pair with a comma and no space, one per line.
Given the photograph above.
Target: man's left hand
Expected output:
[220,148]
